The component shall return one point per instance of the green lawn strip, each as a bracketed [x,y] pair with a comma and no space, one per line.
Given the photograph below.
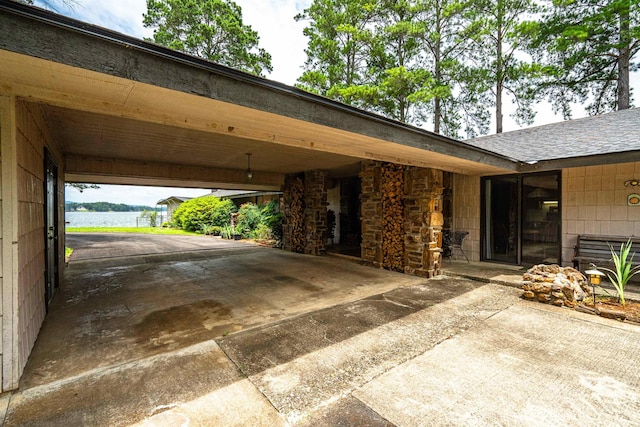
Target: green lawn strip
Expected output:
[142,230]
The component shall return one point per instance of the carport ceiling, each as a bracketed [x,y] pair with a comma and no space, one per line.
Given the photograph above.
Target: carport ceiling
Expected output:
[87,134]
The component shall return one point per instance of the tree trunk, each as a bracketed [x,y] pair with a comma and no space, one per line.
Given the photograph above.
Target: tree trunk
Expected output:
[623,60]
[499,71]
[437,103]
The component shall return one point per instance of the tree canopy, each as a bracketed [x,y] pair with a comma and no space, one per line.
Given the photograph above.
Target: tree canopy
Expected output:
[588,48]
[211,29]
[454,63]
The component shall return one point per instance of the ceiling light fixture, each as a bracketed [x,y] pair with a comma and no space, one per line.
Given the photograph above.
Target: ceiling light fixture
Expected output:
[249,171]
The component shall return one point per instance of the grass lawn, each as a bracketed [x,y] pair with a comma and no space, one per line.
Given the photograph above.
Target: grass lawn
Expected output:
[143,230]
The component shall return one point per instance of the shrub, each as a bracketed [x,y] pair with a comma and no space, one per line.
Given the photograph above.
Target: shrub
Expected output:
[272,218]
[249,218]
[193,214]
[262,232]
[213,230]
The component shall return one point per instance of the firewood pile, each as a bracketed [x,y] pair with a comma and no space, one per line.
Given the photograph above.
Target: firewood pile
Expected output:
[392,189]
[293,201]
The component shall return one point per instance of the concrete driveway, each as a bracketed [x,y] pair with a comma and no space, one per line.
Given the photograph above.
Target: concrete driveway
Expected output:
[242,335]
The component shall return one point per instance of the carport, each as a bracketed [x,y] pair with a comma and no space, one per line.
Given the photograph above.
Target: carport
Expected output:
[79,103]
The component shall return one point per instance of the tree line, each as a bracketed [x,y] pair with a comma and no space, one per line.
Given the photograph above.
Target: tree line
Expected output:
[104,207]
[454,63]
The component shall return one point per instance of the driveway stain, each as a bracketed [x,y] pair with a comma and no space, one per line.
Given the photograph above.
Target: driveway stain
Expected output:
[182,325]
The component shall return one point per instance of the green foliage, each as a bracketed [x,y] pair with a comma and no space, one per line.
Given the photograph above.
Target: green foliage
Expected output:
[193,214]
[588,48]
[249,217]
[399,58]
[211,230]
[496,65]
[338,48]
[272,218]
[624,270]
[210,29]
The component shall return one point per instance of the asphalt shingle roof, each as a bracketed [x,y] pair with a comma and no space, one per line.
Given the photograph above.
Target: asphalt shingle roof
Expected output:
[607,133]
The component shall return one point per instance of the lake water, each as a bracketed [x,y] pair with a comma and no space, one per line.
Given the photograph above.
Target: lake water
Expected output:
[109,219]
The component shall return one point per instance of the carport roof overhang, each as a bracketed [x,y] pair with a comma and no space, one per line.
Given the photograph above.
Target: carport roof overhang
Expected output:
[126,111]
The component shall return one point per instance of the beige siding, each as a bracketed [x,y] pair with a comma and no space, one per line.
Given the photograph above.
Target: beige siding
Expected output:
[466,212]
[32,137]
[595,202]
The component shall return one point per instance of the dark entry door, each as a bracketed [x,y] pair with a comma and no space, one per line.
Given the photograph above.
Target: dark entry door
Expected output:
[521,218]
[51,228]
[501,218]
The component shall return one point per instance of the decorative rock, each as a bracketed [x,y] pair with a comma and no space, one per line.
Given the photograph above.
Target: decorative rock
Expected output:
[541,288]
[561,286]
[543,297]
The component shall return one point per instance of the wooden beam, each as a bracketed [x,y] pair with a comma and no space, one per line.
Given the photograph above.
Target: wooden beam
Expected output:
[118,171]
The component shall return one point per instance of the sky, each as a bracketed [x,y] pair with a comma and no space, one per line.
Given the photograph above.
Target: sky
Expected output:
[280,35]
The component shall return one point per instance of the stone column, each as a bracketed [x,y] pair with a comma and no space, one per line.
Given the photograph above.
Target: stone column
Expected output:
[423,221]
[315,212]
[371,213]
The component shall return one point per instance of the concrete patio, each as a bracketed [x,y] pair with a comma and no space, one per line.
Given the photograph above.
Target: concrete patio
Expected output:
[235,334]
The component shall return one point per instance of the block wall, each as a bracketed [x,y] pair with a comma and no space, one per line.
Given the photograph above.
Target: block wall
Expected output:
[594,201]
[32,136]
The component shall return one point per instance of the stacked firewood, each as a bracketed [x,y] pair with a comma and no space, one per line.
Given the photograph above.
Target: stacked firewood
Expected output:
[392,189]
[294,215]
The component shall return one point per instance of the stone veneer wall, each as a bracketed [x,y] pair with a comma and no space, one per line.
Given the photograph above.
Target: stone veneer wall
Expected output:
[421,211]
[466,212]
[304,207]
[594,201]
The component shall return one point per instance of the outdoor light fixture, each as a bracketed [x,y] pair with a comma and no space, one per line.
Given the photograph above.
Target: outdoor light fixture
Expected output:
[594,280]
[249,171]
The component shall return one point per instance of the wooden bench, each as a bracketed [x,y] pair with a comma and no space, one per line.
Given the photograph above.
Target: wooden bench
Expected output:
[593,249]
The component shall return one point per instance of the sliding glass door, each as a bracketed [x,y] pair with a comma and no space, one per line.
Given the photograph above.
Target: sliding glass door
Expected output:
[521,218]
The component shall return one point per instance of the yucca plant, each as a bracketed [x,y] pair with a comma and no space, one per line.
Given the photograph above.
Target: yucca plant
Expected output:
[623,268]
